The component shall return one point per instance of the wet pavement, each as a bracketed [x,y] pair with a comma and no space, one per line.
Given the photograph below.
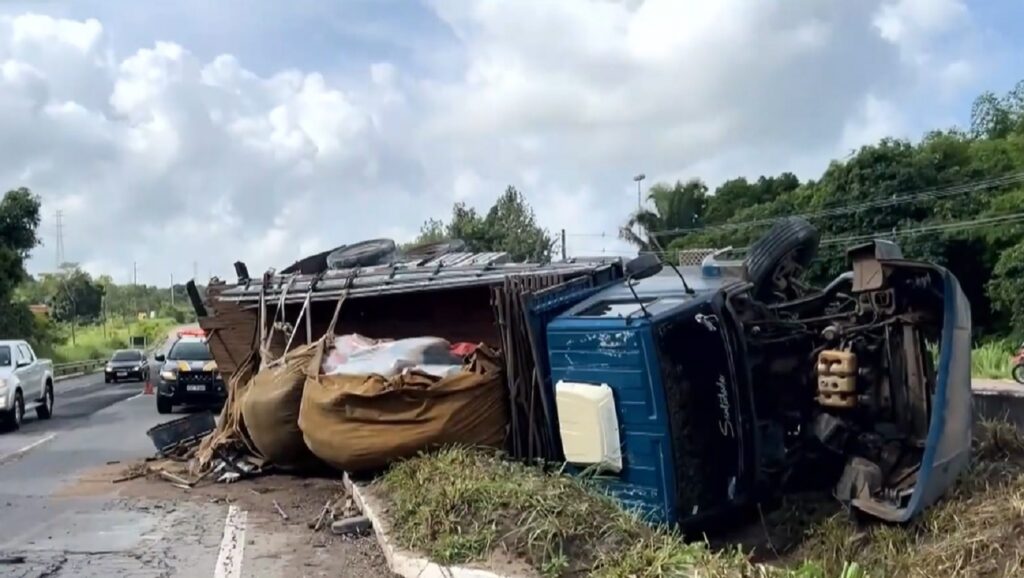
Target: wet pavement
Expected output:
[60,518]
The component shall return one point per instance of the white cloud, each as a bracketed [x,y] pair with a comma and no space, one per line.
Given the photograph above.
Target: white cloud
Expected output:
[165,158]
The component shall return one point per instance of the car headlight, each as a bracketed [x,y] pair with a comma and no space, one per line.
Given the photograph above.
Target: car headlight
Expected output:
[110,367]
[136,368]
[168,375]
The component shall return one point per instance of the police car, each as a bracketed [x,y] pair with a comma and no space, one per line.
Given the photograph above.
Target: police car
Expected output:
[188,374]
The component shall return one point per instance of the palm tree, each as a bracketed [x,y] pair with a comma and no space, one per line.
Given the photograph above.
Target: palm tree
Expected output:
[676,207]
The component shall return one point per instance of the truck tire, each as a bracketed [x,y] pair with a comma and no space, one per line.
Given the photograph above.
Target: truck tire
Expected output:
[311,265]
[45,411]
[781,255]
[362,254]
[13,417]
[163,405]
[434,249]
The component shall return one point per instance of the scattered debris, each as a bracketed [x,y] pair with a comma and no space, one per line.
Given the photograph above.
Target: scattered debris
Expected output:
[173,478]
[353,525]
[320,519]
[12,559]
[280,511]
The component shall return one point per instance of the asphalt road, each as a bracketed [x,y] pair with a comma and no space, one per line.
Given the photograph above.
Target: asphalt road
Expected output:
[60,515]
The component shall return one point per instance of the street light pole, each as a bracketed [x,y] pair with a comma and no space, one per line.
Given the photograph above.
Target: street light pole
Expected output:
[639,202]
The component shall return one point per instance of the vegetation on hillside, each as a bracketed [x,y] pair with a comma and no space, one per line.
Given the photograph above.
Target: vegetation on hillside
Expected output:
[956,197]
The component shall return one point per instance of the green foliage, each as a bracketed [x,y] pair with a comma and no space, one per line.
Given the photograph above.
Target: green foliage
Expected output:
[19,218]
[1007,285]
[72,295]
[679,206]
[509,226]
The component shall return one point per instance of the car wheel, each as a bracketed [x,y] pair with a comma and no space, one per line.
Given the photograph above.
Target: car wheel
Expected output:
[45,411]
[163,405]
[14,416]
[780,257]
[106,379]
[1018,373]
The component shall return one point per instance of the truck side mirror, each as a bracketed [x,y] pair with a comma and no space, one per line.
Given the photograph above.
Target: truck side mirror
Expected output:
[644,266]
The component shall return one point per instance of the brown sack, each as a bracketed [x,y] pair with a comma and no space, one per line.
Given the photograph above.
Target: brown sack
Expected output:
[365,422]
[270,409]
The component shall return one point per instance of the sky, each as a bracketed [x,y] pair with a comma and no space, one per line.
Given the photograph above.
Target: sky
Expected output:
[184,136]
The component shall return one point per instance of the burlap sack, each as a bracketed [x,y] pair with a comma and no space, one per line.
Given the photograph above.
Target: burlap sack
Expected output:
[270,409]
[365,422]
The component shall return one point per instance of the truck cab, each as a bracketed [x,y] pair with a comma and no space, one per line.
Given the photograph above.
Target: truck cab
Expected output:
[698,391]
[26,382]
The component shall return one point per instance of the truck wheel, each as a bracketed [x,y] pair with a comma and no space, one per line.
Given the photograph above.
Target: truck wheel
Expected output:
[45,411]
[780,256]
[362,254]
[14,416]
[163,405]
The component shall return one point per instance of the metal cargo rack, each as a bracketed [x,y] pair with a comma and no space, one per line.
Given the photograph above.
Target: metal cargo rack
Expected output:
[450,271]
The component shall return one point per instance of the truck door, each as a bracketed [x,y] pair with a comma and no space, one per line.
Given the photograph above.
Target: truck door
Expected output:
[29,373]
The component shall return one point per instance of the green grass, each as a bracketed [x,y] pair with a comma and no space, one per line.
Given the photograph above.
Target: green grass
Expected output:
[461,505]
[92,343]
[974,532]
[992,360]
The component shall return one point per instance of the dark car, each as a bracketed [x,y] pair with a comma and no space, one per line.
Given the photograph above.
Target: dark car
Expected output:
[188,376]
[126,364]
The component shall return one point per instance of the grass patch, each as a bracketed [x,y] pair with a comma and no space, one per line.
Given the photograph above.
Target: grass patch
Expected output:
[973,533]
[992,360]
[92,342]
[461,505]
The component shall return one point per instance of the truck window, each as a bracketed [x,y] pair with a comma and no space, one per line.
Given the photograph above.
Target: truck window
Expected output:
[26,354]
[614,308]
[5,356]
[190,351]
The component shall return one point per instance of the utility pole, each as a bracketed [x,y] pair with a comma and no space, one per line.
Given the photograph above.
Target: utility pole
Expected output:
[563,244]
[172,290]
[59,218]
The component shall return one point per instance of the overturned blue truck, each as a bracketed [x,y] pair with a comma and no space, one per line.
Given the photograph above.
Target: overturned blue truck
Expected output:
[694,391]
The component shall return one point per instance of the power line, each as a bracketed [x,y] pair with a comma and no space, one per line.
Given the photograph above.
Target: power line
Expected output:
[926,194]
[966,224]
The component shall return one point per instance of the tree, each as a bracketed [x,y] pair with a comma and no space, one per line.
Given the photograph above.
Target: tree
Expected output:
[77,299]
[510,226]
[19,219]
[676,207]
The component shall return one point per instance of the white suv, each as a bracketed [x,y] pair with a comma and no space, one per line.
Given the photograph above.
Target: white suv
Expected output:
[25,381]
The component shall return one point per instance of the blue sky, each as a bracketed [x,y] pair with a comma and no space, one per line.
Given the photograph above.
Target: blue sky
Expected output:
[285,127]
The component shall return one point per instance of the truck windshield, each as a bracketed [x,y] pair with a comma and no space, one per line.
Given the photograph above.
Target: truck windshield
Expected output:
[190,351]
[5,356]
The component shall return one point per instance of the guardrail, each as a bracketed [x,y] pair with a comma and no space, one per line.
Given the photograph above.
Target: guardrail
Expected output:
[74,367]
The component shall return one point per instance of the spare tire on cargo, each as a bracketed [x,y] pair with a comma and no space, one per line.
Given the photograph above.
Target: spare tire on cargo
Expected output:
[781,256]
[363,254]
[434,249]
[270,410]
[365,422]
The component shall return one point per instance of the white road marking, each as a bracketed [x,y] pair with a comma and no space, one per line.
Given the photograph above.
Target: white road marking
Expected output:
[136,396]
[8,457]
[232,545]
